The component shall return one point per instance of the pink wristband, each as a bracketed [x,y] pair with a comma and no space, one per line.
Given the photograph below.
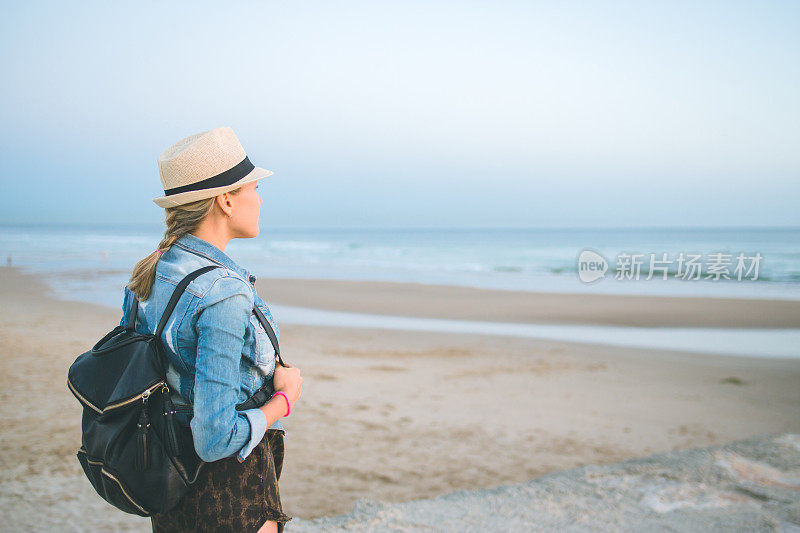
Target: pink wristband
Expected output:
[288,405]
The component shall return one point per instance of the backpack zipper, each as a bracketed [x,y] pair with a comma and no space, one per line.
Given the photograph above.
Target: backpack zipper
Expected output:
[116,405]
[81,398]
[111,476]
[88,459]
[141,396]
[124,492]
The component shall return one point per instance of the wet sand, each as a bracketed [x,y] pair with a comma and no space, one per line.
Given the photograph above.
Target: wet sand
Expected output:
[465,303]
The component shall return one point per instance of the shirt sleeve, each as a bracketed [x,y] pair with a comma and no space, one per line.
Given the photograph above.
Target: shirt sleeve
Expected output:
[258,427]
[218,429]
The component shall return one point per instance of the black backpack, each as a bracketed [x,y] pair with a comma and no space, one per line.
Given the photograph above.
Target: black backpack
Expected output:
[137,450]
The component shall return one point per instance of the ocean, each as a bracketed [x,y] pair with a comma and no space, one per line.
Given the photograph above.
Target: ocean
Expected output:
[508,259]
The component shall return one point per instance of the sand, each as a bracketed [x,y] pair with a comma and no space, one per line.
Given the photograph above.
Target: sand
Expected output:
[391,415]
[747,485]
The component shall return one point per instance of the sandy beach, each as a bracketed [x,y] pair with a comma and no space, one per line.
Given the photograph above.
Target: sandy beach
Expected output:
[398,416]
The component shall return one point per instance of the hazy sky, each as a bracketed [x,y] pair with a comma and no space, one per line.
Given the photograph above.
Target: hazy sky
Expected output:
[411,113]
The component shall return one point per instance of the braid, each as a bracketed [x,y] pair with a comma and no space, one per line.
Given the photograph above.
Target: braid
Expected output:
[180,220]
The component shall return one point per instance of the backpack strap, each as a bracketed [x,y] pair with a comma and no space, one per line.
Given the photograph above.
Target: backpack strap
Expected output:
[270,333]
[262,395]
[176,294]
[173,301]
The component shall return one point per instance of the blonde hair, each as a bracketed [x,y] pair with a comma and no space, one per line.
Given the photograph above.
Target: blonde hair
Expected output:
[180,220]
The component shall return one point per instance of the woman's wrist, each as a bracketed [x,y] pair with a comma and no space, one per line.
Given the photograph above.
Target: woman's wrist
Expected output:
[286,399]
[275,409]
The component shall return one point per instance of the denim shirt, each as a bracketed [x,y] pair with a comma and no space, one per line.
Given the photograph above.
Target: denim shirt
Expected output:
[219,354]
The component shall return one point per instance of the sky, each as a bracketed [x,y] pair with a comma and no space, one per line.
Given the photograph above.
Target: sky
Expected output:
[411,114]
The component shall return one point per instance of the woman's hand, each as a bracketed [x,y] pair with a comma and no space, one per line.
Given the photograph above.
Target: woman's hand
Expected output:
[288,380]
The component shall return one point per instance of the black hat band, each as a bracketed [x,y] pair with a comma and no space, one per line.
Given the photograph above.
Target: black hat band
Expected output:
[229,177]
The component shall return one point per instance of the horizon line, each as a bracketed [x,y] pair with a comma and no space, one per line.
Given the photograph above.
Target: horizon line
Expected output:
[127,225]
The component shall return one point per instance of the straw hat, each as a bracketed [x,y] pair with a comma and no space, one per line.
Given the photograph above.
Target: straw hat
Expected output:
[204,165]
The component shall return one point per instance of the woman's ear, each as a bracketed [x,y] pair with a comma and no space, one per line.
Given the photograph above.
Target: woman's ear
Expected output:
[224,203]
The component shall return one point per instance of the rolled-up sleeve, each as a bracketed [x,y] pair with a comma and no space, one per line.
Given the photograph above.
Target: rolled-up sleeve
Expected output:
[258,427]
[218,429]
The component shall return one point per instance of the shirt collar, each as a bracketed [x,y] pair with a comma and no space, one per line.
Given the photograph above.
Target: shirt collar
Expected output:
[205,248]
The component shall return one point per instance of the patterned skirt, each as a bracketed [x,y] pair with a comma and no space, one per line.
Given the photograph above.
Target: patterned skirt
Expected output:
[233,496]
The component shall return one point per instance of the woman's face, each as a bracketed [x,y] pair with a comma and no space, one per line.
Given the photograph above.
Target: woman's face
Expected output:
[245,211]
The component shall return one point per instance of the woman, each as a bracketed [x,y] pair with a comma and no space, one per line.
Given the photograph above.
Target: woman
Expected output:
[219,354]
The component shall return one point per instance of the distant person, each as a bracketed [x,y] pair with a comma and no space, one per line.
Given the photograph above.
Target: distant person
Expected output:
[219,353]
[8,260]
